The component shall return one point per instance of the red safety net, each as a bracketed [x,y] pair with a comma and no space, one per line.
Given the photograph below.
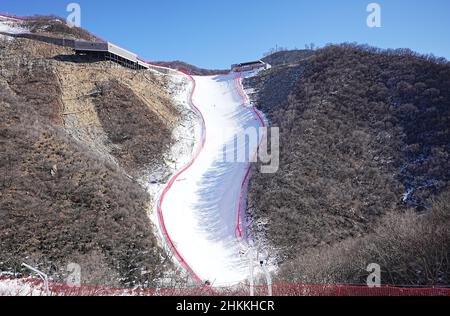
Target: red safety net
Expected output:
[278,289]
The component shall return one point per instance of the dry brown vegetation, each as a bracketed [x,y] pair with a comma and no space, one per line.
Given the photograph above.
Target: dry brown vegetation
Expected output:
[80,91]
[65,193]
[57,27]
[59,205]
[412,250]
[139,134]
[359,127]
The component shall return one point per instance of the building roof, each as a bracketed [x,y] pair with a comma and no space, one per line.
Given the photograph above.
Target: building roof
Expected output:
[249,63]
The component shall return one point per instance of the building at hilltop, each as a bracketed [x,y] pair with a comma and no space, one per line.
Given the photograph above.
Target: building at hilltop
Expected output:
[252,65]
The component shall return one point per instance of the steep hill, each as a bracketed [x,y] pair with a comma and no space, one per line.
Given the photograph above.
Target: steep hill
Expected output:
[57,27]
[288,57]
[78,141]
[364,138]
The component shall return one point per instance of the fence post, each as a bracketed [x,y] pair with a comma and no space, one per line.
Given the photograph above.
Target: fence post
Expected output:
[252,264]
[42,275]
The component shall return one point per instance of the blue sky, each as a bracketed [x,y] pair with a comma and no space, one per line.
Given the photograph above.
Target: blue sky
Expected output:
[217,33]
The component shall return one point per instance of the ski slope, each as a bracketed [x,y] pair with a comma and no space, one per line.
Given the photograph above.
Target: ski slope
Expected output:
[199,210]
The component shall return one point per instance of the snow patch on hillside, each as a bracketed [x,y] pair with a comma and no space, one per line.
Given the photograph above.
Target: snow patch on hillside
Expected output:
[20,287]
[11,27]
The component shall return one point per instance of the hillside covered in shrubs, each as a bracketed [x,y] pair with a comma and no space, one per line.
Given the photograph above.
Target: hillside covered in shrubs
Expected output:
[193,70]
[57,27]
[365,150]
[75,138]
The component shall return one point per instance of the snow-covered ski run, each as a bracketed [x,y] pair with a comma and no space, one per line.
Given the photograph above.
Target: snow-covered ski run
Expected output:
[200,210]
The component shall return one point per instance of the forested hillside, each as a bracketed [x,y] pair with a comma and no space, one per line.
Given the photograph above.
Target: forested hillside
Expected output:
[364,140]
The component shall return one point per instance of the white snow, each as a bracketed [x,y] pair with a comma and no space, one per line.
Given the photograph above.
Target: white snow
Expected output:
[200,208]
[407,195]
[20,287]
[10,26]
